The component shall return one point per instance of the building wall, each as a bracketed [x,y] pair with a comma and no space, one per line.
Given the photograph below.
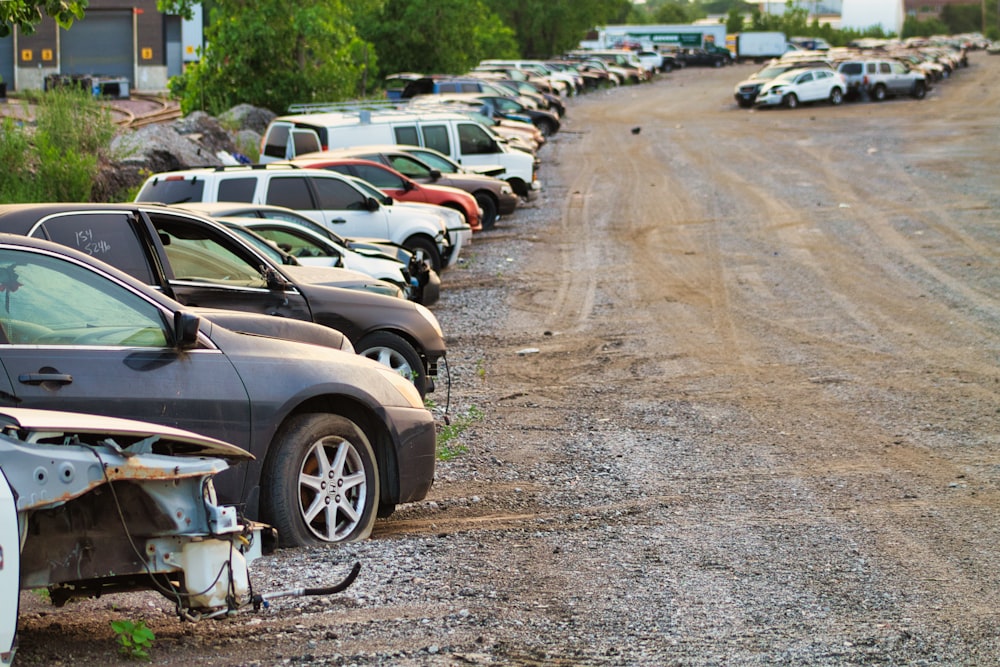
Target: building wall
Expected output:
[38,55]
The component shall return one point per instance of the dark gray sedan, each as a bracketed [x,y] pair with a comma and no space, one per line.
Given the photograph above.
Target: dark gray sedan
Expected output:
[337,438]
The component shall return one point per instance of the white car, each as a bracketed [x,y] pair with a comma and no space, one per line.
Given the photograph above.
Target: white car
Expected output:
[803,85]
[325,196]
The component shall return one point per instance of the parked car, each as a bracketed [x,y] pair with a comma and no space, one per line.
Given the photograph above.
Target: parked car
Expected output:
[881,78]
[701,58]
[81,336]
[358,253]
[308,245]
[202,264]
[148,518]
[425,165]
[322,195]
[746,91]
[397,185]
[803,85]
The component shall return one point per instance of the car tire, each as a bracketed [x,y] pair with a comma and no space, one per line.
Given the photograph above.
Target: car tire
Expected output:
[878,93]
[489,207]
[548,128]
[836,96]
[395,352]
[321,482]
[667,67]
[718,63]
[919,90]
[791,101]
[424,249]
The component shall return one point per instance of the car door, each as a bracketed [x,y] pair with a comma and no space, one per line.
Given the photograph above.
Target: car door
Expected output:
[212,269]
[73,338]
[330,201]
[805,87]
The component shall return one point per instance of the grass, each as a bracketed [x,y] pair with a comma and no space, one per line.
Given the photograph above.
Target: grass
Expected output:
[448,446]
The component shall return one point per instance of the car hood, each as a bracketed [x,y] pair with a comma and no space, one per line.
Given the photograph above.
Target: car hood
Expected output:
[72,423]
[343,278]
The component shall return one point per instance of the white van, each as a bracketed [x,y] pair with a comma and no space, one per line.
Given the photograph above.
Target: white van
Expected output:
[457,136]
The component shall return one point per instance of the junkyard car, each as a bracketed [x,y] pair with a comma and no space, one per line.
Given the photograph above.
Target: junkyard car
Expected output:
[202,264]
[94,505]
[803,85]
[379,258]
[338,438]
[494,196]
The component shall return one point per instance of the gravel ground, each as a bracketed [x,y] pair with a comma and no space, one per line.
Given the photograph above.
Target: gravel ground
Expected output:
[726,393]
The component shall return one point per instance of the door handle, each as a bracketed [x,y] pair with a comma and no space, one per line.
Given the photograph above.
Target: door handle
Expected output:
[339,221]
[39,378]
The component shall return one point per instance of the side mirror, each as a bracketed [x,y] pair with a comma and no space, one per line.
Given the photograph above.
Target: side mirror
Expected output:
[186,329]
[435,174]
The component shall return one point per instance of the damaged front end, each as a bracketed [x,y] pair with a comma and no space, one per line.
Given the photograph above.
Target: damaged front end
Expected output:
[106,505]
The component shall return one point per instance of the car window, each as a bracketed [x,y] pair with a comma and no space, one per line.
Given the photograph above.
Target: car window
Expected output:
[290,192]
[884,68]
[276,140]
[336,195]
[406,134]
[408,166]
[474,140]
[436,137]
[296,244]
[851,68]
[870,68]
[173,190]
[197,254]
[443,165]
[804,78]
[50,301]
[379,177]
[822,75]
[110,237]
[236,189]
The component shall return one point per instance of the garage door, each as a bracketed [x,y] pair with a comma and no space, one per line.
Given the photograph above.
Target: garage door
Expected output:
[7,61]
[100,44]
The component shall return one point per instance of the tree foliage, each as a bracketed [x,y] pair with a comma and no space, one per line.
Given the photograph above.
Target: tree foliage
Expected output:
[544,28]
[26,14]
[259,52]
[439,36]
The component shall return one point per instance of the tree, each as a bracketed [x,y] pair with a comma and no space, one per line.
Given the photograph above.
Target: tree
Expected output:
[434,36]
[260,53]
[26,14]
[544,28]
[734,21]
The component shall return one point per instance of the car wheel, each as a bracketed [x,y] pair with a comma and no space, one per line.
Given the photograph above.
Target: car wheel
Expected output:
[425,250]
[718,63]
[395,352]
[547,128]
[321,482]
[791,101]
[919,91]
[489,207]
[667,67]
[836,96]
[878,93]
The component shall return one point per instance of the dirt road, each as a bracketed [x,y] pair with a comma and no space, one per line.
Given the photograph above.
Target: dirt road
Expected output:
[740,384]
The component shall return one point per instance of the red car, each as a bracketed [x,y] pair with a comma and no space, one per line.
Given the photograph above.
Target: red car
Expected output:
[400,187]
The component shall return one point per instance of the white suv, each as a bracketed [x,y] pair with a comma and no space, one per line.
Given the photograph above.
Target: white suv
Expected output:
[330,199]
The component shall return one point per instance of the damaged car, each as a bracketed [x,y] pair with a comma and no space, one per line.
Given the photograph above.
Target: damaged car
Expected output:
[91,505]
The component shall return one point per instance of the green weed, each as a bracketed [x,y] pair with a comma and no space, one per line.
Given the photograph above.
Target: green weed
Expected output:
[134,639]
[447,447]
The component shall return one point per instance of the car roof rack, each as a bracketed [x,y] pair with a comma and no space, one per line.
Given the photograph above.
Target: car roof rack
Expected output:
[354,105]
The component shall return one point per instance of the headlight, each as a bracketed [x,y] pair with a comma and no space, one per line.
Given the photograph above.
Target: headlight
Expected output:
[506,189]
[404,386]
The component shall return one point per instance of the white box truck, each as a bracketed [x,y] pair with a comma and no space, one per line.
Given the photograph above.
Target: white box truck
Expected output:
[760,46]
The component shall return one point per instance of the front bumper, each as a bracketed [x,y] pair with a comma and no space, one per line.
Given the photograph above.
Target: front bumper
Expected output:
[416,452]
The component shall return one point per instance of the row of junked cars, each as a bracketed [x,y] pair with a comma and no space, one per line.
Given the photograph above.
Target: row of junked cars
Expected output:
[242,354]
[876,72]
